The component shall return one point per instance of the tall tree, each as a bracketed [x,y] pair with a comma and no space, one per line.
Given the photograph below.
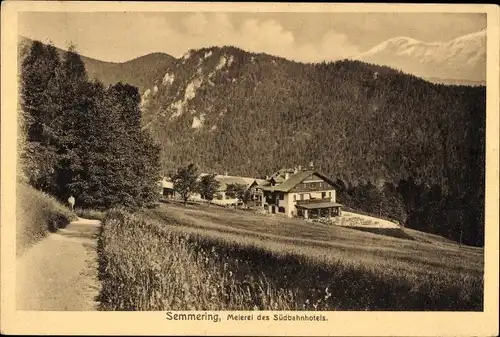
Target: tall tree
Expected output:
[38,106]
[238,191]
[208,186]
[74,95]
[185,181]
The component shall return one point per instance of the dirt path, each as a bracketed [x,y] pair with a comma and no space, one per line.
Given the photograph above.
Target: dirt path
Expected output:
[60,272]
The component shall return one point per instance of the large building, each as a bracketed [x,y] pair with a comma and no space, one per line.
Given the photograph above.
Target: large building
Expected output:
[167,188]
[296,192]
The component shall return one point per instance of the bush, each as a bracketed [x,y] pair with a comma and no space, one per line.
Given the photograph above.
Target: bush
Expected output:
[90,213]
[37,214]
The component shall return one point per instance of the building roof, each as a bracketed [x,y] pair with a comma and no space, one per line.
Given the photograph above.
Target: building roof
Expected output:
[319,205]
[294,180]
[166,183]
[280,176]
[259,182]
[291,182]
[223,180]
[228,180]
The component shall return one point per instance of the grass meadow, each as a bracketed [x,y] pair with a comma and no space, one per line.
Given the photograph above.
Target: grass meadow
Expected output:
[37,214]
[210,258]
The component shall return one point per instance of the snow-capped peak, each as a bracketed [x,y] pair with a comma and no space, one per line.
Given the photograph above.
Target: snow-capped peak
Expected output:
[461,58]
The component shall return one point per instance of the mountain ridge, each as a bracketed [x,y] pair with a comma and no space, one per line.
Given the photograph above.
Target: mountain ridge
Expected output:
[137,71]
[460,59]
[111,72]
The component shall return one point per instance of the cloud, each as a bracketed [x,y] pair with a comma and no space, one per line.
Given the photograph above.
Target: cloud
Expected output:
[267,36]
[123,36]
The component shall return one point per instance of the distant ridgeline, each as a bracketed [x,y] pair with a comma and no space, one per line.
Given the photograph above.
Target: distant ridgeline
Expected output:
[82,139]
[398,146]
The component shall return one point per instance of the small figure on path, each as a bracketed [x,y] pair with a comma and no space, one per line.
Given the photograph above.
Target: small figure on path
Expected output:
[71,202]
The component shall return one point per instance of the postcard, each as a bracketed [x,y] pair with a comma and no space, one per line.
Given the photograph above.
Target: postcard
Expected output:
[249,169]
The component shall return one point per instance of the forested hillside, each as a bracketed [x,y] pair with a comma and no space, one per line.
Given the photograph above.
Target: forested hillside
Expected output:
[392,135]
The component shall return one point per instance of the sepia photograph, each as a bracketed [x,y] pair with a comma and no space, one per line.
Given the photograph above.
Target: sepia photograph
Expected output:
[248,164]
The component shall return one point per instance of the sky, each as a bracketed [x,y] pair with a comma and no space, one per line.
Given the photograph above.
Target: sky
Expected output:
[304,37]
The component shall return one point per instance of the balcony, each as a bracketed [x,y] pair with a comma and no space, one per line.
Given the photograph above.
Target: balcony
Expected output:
[314,201]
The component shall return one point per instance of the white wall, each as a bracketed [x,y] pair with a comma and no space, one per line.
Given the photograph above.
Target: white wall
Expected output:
[195,196]
[289,203]
[316,194]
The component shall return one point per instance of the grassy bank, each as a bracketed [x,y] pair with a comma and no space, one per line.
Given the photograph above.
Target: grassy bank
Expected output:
[186,259]
[37,214]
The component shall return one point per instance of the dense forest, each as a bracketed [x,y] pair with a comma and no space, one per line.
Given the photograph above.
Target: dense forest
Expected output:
[399,146]
[80,138]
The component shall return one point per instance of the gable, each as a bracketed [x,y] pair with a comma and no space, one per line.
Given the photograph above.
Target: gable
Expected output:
[313,178]
[313,182]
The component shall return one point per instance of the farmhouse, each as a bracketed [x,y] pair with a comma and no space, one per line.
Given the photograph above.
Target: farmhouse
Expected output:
[167,188]
[225,180]
[304,193]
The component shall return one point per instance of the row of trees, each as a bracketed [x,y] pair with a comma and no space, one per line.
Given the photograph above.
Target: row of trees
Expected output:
[186,183]
[382,200]
[421,206]
[81,138]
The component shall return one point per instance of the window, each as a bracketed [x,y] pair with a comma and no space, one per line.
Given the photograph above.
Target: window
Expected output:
[281,209]
[295,197]
[323,195]
[301,197]
[330,194]
[281,196]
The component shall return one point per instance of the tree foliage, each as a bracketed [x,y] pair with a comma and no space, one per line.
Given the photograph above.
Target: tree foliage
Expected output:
[81,138]
[238,191]
[208,186]
[185,181]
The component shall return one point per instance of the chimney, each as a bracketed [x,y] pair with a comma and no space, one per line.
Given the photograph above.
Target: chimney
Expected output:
[225,173]
[287,175]
[295,170]
[300,168]
[311,165]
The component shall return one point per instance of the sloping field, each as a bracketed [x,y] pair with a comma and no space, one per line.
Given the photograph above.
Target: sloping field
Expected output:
[326,241]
